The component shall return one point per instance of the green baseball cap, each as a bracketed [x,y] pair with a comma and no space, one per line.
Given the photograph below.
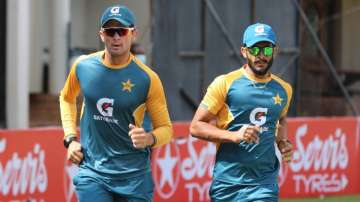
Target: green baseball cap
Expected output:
[119,13]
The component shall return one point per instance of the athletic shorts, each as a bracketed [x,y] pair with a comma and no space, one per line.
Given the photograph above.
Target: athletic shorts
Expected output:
[90,188]
[229,192]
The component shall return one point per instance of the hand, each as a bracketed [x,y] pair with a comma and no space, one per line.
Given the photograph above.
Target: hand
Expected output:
[248,133]
[139,137]
[74,153]
[286,149]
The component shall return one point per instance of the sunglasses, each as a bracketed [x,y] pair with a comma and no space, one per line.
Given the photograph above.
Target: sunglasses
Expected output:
[267,50]
[121,31]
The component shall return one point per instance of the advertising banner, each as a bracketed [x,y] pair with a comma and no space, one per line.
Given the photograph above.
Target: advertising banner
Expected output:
[182,170]
[33,165]
[326,158]
[325,162]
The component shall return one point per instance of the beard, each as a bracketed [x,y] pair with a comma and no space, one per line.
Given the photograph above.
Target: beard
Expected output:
[258,70]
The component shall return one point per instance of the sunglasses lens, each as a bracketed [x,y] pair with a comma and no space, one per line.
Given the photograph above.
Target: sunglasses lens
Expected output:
[109,32]
[268,51]
[120,31]
[254,51]
[123,32]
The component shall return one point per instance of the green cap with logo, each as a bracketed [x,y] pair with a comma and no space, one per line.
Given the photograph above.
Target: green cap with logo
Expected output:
[119,13]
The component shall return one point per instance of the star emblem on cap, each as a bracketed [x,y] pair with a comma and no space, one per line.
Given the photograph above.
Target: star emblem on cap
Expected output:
[127,86]
[277,99]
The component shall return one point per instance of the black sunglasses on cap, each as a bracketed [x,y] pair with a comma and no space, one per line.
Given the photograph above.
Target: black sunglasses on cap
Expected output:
[121,31]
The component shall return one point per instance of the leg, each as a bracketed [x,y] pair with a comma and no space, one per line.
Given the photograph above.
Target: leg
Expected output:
[136,189]
[88,189]
[229,192]
[140,198]
[224,192]
[263,193]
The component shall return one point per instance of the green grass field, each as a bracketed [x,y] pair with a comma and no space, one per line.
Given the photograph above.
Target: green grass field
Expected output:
[355,198]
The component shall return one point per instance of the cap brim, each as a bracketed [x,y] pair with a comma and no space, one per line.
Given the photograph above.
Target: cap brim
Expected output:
[123,22]
[259,39]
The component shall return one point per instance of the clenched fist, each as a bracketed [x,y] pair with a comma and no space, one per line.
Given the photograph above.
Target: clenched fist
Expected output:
[139,137]
[286,149]
[248,133]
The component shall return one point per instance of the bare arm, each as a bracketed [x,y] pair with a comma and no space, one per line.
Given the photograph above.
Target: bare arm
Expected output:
[282,129]
[284,144]
[201,127]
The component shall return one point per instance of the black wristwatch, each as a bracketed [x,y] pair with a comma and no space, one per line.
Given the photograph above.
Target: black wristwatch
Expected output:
[68,139]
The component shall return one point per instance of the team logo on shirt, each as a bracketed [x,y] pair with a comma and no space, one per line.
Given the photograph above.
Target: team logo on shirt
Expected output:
[105,106]
[127,86]
[258,116]
[277,99]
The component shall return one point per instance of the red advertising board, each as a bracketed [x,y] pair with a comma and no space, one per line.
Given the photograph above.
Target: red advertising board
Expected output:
[33,165]
[326,158]
[182,170]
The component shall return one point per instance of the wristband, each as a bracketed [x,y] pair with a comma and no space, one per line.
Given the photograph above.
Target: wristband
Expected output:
[68,139]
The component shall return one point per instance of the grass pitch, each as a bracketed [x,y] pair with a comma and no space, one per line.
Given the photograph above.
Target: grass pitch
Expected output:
[355,198]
